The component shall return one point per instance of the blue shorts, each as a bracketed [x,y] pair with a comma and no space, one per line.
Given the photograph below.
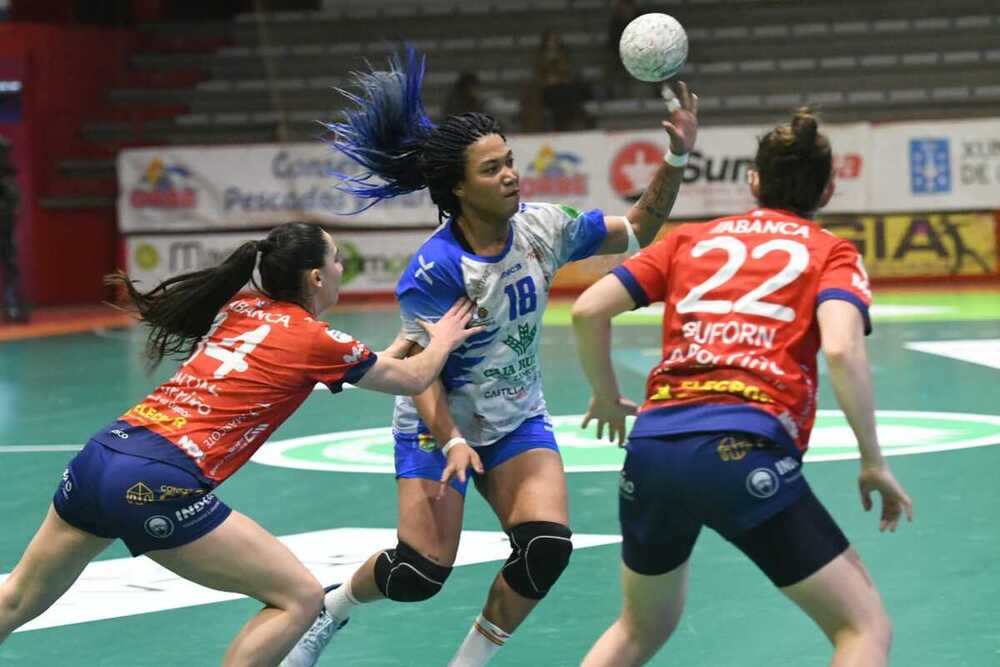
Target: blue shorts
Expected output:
[148,504]
[670,487]
[417,456]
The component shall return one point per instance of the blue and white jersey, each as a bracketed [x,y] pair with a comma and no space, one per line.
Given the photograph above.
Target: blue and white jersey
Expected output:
[493,381]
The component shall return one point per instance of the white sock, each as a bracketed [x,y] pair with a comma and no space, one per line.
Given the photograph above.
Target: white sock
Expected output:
[482,642]
[340,601]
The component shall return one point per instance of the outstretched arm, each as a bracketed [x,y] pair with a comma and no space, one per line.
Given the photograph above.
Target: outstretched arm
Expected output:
[649,213]
[414,374]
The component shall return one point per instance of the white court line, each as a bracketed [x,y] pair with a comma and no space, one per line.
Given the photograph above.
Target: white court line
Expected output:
[982,351]
[130,586]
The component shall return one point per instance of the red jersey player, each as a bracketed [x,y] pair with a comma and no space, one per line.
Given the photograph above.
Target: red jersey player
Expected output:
[749,300]
[148,478]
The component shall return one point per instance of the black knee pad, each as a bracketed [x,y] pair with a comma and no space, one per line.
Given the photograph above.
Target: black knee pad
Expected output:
[540,553]
[403,575]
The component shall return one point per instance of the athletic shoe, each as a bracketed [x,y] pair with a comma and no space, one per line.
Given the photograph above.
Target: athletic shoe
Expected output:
[307,650]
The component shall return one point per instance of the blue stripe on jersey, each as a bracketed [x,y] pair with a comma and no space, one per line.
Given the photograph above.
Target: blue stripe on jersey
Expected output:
[850,297]
[712,417]
[354,374]
[586,234]
[632,285]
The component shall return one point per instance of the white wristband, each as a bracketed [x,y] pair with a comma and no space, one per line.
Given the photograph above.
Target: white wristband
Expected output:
[451,443]
[675,160]
[633,241]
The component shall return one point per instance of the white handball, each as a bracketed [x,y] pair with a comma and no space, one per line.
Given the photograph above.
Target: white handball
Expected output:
[653,47]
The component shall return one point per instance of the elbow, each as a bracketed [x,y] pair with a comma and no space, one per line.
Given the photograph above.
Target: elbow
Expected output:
[839,354]
[585,310]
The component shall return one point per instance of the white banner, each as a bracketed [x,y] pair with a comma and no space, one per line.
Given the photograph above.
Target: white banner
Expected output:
[941,166]
[715,179]
[897,167]
[232,187]
[372,261]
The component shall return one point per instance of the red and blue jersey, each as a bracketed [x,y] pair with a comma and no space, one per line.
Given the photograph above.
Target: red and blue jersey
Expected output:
[740,334]
[249,373]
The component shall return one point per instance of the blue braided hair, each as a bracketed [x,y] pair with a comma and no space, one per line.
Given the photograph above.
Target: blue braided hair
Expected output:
[386,131]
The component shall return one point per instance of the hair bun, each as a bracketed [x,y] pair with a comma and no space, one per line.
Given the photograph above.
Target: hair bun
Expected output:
[805,128]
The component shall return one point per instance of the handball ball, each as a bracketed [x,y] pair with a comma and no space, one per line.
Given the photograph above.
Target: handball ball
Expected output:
[653,47]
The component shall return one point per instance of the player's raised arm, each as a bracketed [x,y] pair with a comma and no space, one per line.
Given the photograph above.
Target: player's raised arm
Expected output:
[414,374]
[637,228]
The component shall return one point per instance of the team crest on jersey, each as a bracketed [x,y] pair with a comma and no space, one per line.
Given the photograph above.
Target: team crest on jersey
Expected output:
[339,336]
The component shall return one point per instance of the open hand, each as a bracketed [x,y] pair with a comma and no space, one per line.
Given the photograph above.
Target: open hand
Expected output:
[611,414]
[451,328]
[894,498]
[683,123]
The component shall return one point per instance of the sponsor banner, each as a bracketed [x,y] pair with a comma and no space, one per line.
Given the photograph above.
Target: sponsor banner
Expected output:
[232,187]
[937,166]
[922,245]
[372,261]
[563,169]
[715,178]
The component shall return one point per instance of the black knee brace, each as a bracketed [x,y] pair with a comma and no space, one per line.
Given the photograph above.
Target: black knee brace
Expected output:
[540,552]
[402,574]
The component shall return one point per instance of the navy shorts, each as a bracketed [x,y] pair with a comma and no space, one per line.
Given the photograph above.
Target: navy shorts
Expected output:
[417,456]
[733,483]
[148,504]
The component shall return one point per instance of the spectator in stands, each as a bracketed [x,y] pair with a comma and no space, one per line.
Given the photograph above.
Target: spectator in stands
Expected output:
[616,80]
[14,309]
[465,96]
[563,94]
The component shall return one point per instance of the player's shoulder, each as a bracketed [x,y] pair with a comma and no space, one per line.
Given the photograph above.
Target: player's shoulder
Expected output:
[436,264]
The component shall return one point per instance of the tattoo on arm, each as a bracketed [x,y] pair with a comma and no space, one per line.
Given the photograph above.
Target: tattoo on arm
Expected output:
[656,203]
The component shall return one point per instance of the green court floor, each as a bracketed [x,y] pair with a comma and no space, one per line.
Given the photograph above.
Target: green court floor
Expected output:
[936,360]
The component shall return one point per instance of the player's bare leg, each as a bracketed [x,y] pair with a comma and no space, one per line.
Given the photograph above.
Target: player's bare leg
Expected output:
[529,488]
[431,525]
[843,601]
[242,557]
[55,557]
[651,609]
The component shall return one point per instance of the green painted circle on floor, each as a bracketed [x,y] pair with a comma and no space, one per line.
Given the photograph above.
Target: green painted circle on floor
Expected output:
[900,432]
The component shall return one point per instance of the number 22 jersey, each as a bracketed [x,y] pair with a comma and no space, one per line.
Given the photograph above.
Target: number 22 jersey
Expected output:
[740,334]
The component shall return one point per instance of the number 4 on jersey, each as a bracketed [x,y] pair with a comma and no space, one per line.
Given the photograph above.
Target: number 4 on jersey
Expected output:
[232,351]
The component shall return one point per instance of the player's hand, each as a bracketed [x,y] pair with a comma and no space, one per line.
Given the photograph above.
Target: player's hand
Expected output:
[460,457]
[894,498]
[451,328]
[683,123]
[610,413]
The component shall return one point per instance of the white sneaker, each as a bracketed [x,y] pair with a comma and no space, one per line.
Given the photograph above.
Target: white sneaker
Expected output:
[306,651]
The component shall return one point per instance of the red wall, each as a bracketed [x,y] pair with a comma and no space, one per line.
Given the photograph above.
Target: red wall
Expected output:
[66,72]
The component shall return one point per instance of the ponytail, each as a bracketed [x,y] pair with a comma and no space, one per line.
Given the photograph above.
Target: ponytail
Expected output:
[180,310]
[387,133]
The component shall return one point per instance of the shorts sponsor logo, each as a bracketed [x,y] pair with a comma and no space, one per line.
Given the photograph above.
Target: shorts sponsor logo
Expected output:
[762,483]
[735,449]
[159,527]
[67,484]
[196,511]
[626,487]
[900,432]
[139,494]
[426,442]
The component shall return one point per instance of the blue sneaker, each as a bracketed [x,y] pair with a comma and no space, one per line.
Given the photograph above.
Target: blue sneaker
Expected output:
[307,650]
